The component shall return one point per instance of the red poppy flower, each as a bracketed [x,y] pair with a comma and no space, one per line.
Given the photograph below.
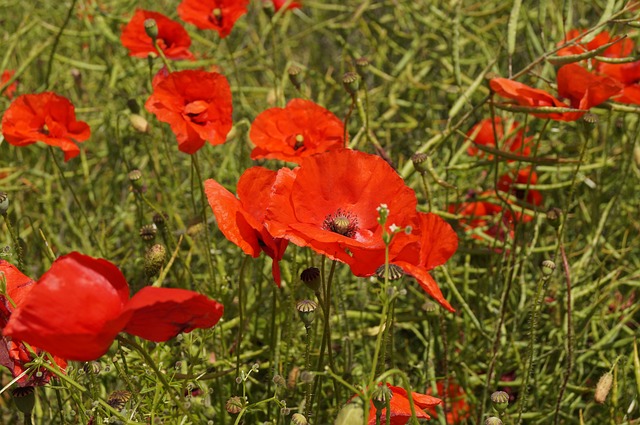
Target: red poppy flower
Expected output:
[400,406]
[431,243]
[219,15]
[14,354]
[329,202]
[173,39]
[9,90]
[196,104]
[299,130]
[277,4]
[241,219]
[523,176]
[78,307]
[456,401]
[622,49]
[583,89]
[483,134]
[44,117]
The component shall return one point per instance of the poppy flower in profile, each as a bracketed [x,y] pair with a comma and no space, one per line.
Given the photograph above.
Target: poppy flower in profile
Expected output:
[218,15]
[196,104]
[329,202]
[513,141]
[80,304]
[458,409]
[583,89]
[44,117]
[241,219]
[173,39]
[9,90]
[278,4]
[400,406]
[14,354]
[301,129]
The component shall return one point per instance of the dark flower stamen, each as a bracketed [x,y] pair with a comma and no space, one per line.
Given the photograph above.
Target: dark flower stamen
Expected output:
[299,141]
[341,222]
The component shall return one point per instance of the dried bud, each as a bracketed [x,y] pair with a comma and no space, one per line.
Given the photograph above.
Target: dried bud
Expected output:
[148,232]
[118,399]
[295,76]
[92,367]
[159,219]
[154,259]
[234,405]
[151,28]
[4,203]
[420,162]
[381,397]
[139,123]
[279,380]
[603,387]
[298,419]
[311,278]
[500,401]
[25,399]
[548,267]
[306,311]
[351,82]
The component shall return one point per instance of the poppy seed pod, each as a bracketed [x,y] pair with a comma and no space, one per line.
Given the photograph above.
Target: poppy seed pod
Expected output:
[154,259]
[299,419]
[306,311]
[25,399]
[554,217]
[151,28]
[4,203]
[234,405]
[395,272]
[361,66]
[159,219]
[493,421]
[135,177]
[148,232]
[295,76]
[351,82]
[420,162]
[500,401]
[548,267]
[311,278]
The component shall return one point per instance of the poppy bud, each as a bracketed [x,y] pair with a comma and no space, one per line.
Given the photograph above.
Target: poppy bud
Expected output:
[351,82]
[381,397]
[306,311]
[500,401]
[148,232]
[493,421]
[554,216]
[603,387]
[295,76]
[139,123]
[4,203]
[25,399]
[279,380]
[307,377]
[234,405]
[361,66]
[151,28]
[548,267]
[420,162]
[298,419]
[311,278]
[154,259]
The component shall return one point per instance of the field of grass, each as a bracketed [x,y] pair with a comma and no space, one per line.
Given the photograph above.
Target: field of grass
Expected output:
[527,216]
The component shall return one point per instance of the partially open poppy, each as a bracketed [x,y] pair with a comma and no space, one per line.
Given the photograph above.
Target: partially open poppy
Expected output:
[10,90]
[241,219]
[44,117]
[301,129]
[218,15]
[524,176]
[513,140]
[14,354]
[455,400]
[173,39]
[196,104]
[80,304]
[400,406]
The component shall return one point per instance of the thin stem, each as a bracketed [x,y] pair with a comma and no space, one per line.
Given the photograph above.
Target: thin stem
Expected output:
[241,309]
[203,205]
[17,247]
[56,41]
[568,370]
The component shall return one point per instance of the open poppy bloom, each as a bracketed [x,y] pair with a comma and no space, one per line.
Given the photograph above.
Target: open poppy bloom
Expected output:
[400,406]
[9,90]
[278,4]
[196,104]
[583,89]
[301,129]
[218,15]
[14,354]
[340,218]
[78,307]
[44,117]
[484,212]
[241,219]
[513,141]
[456,402]
[173,39]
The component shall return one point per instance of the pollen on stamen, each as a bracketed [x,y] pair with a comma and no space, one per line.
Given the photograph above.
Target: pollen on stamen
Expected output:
[299,141]
[341,222]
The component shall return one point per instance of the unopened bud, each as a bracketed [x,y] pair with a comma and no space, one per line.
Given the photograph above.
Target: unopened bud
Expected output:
[298,419]
[603,387]
[139,123]
[234,405]
[154,259]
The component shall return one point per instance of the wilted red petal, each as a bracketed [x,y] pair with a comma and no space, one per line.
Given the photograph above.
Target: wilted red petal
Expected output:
[172,38]
[74,309]
[218,15]
[44,117]
[159,314]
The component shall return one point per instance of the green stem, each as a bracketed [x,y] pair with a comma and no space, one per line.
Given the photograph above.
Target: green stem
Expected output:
[203,205]
[17,247]
[240,313]
[56,41]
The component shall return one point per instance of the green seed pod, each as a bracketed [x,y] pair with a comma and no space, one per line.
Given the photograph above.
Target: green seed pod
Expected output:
[298,419]
[306,311]
[500,401]
[311,278]
[148,232]
[25,399]
[362,64]
[351,82]
[295,76]
[493,421]
[548,268]
[420,162]
[151,28]
[395,272]
[234,405]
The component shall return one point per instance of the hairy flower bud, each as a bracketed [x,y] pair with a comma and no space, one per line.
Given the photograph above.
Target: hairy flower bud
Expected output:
[603,387]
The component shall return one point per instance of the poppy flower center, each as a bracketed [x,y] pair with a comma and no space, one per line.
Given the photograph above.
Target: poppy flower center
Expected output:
[44,130]
[216,16]
[342,223]
[195,109]
[299,141]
